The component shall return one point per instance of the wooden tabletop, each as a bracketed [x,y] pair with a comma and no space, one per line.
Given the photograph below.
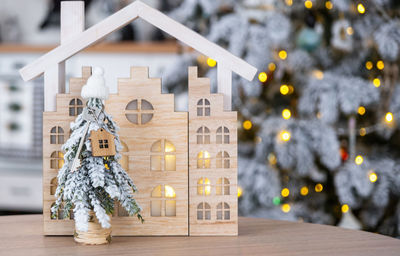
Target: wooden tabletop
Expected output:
[22,235]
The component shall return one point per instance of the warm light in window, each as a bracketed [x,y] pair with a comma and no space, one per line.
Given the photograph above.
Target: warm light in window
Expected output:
[361,110]
[359,160]
[389,117]
[304,191]
[373,177]
[284,89]
[380,64]
[328,5]
[361,8]
[271,66]
[349,31]
[286,114]
[345,208]
[369,65]
[289,2]
[211,62]
[318,74]
[308,4]
[285,192]
[284,135]
[169,147]
[272,158]
[262,77]
[240,191]
[283,54]
[169,191]
[363,132]
[376,82]
[319,187]
[285,208]
[247,125]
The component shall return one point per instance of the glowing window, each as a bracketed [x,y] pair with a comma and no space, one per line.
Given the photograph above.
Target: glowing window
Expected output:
[222,135]
[203,187]
[223,160]
[203,211]
[203,135]
[56,160]
[75,107]
[203,160]
[163,156]
[56,135]
[203,107]
[223,212]
[222,187]
[139,111]
[163,201]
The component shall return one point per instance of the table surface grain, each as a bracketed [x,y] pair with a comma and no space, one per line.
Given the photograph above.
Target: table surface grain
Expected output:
[22,235]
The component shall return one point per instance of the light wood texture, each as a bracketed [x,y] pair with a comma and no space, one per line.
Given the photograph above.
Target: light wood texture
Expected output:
[224,78]
[213,168]
[102,143]
[72,19]
[95,234]
[24,236]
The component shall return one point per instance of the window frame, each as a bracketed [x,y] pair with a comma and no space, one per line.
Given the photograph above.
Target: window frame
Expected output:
[163,156]
[203,107]
[140,112]
[57,135]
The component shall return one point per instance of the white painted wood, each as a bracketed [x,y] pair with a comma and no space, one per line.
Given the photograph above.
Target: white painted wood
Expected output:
[72,19]
[51,86]
[224,79]
[120,19]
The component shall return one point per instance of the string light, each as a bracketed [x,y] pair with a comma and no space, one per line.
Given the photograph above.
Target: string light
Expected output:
[361,110]
[328,5]
[359,160]
[349,31]
[291,89]
[284,135]
[318,188]
[247,125]
[262,77]
[373,177]
[363,131]
[211,62]
[284,89]
[276,200]
[376,82]
[285,192]
[285,208]
[271,66]
[380,64]
[345,208]
[304,191]
[389,117]
[361,8]
[272,158]
[308,4]
[239,191]
[318,74]
[289,2]
[286,114]
[282,54]
[369,65]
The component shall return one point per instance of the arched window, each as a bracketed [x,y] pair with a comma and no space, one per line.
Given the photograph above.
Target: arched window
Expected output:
[53,186]
[56,160]
[60,213]
[56,135]
[203,187]
[75,107]
[203,160]
[203,107]
[139,111]
[222,135]
[203,211]
[223,160]
[203,135]
[163,156]
[163,201]
[124,161]
[222,187]
[223,212]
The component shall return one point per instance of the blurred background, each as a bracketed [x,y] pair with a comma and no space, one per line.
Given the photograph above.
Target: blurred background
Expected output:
[318,126]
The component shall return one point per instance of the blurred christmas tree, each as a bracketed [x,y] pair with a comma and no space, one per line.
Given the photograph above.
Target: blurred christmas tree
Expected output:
[319,139]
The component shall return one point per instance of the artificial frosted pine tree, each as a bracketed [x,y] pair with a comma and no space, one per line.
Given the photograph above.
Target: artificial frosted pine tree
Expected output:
[91,181]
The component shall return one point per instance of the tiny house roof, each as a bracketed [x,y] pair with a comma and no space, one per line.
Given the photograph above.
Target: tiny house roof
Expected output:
[84,39]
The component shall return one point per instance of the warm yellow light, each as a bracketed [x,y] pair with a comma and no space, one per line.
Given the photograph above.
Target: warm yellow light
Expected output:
[328,5]
[318,188]
[284,135]
[363,131]
[389,117]
[272,158]
[361,110]
[286,114]
[289,2]
[247,125]
[285,192]
[271,66]
[284,89]
[291,89]
[318,74]
[359,160]
[262,77]
[304,191]
[349,31]
[361,8]
[345,208]
[169,191]
[169,147]
[211,62]
[308,4]
[283,54]
[376,82]
[373,177]
[240,191]
[380,64]
[106,165]
[285,208]
[369,65]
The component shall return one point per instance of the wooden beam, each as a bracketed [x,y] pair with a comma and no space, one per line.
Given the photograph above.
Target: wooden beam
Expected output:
[224,78]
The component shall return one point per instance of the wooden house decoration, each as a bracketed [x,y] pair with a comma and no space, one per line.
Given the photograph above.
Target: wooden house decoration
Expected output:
[184,164]
[102,143]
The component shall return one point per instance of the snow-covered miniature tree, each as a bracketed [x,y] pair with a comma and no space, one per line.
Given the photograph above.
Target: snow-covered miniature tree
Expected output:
[93,183]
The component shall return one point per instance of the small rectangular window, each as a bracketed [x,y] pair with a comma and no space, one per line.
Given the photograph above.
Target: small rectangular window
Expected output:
[155,208]
[170,208]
